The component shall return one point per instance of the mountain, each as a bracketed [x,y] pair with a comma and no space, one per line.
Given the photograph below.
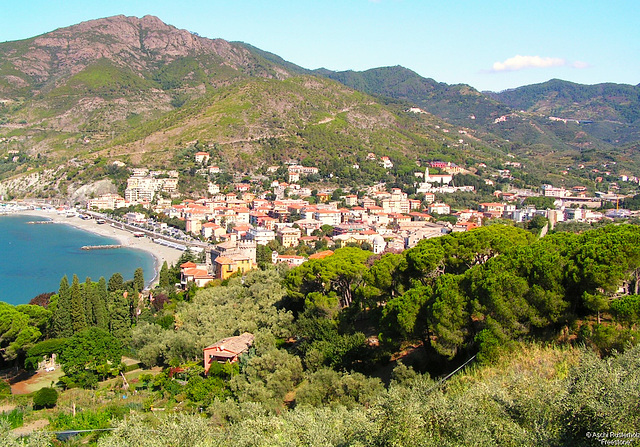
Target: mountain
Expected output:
[146,93]
[609,112]
[92,76]
[554,121]
[459,104]
[614,102]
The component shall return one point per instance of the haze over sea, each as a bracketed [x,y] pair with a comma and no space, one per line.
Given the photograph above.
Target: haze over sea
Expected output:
[33,258]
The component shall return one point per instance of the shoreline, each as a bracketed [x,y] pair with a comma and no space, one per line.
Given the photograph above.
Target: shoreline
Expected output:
[159,252]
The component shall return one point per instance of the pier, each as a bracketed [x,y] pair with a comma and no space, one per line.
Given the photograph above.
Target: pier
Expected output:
[99,247]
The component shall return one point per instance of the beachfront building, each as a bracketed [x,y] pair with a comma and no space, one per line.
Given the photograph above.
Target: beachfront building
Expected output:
[107,202]
[143,188]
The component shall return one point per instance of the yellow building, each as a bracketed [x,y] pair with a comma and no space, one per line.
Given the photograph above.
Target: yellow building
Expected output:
[224,267]
[289,237]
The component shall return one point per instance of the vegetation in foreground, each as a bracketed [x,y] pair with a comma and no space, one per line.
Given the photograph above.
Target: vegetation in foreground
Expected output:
[553,323]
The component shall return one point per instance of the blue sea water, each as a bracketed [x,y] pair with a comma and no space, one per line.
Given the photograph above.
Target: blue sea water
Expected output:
[33,258]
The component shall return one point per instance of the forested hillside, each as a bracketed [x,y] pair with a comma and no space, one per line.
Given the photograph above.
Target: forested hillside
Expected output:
[358,342]
[597,122]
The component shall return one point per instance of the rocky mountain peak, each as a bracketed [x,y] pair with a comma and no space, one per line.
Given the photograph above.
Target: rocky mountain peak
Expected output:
[137,43]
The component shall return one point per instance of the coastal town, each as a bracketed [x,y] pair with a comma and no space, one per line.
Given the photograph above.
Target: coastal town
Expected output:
[241,225]
[258,224]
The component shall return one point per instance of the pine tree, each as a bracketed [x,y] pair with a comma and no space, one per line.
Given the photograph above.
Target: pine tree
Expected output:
[78,315]
[164,276]
[62,326]
[138,280]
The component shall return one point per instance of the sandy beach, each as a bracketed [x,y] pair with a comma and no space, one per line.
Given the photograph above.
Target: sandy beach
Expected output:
[161,253]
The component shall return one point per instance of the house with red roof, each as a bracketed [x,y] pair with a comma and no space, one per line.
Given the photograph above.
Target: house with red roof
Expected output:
[191,272]
[227,350]
[202,157]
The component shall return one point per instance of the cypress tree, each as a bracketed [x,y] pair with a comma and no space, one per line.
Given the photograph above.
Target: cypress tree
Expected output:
[164,276]
[62,325]
[78,315]
[89,299]
[116,282]
[138,280]
[102,304]
[120,318]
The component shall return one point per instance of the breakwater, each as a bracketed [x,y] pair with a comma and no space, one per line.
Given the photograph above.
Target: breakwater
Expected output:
[99,247]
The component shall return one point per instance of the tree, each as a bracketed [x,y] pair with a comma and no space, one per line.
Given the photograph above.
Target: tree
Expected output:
[20,327]
[138,279]
[595,302]
[62,326]
[45,398]
[263,256]
[78,312]
[93,350]
[449,316]
[88,290]
[39,351]
[120,321]
[100,307]
[164,280]
[384,274]
[116,282]
[537,223]
[341,273]
[404,316]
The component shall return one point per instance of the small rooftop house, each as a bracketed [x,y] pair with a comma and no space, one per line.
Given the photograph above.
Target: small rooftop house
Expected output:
[227,350]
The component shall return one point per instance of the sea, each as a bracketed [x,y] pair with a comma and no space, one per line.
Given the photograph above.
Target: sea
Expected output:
[35,257]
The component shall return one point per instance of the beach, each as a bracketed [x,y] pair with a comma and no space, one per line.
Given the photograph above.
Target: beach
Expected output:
[161,253]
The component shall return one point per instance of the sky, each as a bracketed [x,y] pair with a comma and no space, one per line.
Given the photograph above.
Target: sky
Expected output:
[488,44]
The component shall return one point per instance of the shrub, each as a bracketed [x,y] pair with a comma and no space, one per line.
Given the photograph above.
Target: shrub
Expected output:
[5,388]
[45,398]
[15,418]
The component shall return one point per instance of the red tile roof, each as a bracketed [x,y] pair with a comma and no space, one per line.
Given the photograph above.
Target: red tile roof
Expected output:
[188,265]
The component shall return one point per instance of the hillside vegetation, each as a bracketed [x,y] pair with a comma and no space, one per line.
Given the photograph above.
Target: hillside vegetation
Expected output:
[141,91]
[358,349]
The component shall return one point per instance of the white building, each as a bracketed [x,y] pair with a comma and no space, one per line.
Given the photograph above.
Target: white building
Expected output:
[431,180]
[551,191]
[107,202]
[439,208]
[328,217]
[260,235]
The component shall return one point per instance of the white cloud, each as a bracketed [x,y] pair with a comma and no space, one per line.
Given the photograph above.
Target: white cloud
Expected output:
[580,65]
[523,62]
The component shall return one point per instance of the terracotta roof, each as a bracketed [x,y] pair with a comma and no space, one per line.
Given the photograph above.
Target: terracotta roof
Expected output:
[321,255]
[224,260]
[236,345]
[198,273]
[188,265]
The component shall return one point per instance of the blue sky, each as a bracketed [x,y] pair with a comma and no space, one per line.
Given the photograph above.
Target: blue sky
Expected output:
[488,44]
